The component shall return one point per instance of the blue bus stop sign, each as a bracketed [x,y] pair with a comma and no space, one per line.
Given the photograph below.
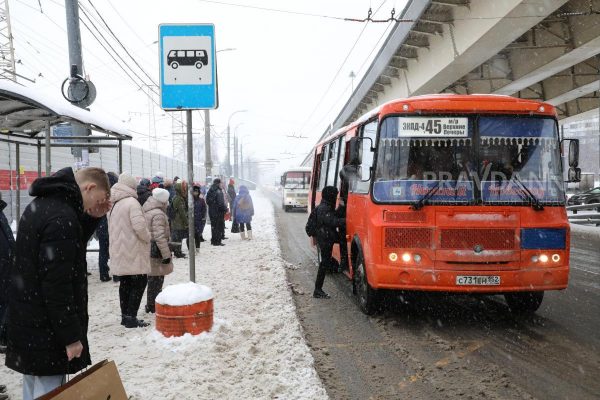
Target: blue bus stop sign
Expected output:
[188,71]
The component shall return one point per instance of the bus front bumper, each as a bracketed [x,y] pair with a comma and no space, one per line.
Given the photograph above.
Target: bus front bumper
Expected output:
[428,279]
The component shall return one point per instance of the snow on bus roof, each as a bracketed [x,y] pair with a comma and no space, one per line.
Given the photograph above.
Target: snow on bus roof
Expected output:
[27,109]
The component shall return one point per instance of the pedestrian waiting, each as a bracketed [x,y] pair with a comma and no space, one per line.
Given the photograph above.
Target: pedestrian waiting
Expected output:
[199,216]
[48,309]
[155,211]
[129,248]
[180,218]
[243,211]
[216,210]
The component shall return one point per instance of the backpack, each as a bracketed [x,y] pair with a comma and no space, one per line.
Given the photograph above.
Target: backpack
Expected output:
[311,225]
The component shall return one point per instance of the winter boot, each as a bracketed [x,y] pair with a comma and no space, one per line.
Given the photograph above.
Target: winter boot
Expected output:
[133,322]
[150,310]
[249,235]
[243,235]
[197,250]
[320,294]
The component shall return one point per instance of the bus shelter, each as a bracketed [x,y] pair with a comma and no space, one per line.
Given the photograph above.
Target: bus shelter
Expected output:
[26,119]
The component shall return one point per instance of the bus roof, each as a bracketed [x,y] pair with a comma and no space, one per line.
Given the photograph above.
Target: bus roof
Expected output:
[447,102]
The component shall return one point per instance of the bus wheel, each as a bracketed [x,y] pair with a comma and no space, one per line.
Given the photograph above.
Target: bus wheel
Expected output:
[198,64]
[367,296]
[286,208]
[174,65]
[524,302]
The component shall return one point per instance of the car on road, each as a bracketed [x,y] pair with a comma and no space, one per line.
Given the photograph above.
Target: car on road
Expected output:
[591,196]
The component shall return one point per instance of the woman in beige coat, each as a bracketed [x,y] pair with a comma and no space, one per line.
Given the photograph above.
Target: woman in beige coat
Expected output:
[129,247]
[155,211]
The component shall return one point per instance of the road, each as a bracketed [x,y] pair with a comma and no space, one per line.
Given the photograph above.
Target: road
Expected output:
[440,347]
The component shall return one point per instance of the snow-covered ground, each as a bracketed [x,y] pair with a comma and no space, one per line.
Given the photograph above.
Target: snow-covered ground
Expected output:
[255,350]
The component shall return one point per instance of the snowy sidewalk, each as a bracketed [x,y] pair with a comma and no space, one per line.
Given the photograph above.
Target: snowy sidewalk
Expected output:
[255,351]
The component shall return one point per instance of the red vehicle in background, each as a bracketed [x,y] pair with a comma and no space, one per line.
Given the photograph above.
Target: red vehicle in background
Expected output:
[452,193]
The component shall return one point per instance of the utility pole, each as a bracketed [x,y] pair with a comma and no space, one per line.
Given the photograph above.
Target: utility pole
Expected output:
[242,159]
[190,171]
[207,153]
[235,156]
[228,150]
[81,92]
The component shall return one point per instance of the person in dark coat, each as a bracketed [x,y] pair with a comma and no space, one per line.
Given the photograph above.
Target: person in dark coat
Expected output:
[199,216]
[48,318]
[216,210]
[180,218]
[243,211]
[103,242]
[7,251]
[231,193]
[143,191]
[327,235]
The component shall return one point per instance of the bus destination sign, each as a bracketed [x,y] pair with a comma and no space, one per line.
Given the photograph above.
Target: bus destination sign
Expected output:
[438,127]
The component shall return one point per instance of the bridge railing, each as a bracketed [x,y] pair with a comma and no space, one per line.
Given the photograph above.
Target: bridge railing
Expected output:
[587,218]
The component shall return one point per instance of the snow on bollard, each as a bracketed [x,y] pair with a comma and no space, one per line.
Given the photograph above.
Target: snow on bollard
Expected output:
[184,308]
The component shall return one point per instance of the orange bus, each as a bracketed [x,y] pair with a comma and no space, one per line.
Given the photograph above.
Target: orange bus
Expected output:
[452,193]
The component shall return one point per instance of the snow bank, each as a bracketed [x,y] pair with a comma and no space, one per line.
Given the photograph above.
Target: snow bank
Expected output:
[255,350]
[184,294]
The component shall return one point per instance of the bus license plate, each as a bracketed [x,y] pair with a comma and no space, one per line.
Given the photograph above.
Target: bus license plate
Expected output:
[478,280]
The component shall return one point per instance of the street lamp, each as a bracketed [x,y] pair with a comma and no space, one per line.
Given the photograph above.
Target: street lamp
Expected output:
[235,150]
[229,140]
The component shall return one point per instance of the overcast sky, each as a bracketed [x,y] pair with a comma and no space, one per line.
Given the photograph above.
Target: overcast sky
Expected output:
[280,70]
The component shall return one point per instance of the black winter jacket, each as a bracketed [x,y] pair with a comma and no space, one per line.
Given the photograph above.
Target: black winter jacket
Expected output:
[48,297]
[327,222]
[7,250]
[215,202]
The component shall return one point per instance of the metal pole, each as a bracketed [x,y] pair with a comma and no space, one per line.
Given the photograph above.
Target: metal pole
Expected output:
[207,153]
[120,157]
[18,170]
[228,150]
[190,168]
[235,156]
[48,151]
[39,151]
[242,160]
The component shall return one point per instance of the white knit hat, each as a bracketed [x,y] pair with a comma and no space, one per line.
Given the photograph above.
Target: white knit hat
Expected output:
[161,195]
[128,180]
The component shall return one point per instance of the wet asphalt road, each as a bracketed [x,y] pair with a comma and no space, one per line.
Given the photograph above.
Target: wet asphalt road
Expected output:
[440,347]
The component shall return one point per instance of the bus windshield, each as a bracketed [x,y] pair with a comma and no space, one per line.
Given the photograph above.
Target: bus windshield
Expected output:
[296,180]
[469,160]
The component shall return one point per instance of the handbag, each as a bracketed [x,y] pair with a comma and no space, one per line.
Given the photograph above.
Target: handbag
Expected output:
[102,381]
[154,250]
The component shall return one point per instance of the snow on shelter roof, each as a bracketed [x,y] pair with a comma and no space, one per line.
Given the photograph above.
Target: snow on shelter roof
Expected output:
[27,110]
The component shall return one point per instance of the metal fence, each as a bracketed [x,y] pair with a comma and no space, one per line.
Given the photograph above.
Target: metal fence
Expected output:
[589,218]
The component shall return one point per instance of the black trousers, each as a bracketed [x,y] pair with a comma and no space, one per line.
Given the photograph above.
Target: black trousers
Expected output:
[217,228]
[131,291]
[325,249]
[155,284]
[197,239]
[248,226]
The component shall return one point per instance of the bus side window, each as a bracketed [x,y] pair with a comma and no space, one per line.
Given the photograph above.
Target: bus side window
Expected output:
[331,166]
[367,131]
[323,169]
[341,161]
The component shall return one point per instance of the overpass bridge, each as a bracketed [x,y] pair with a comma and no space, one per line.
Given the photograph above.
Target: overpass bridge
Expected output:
[544,50]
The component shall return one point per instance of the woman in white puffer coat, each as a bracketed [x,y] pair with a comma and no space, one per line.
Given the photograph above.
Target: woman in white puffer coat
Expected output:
[129,247]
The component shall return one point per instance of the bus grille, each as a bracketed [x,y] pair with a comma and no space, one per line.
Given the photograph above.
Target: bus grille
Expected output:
[489,239]
[394,216]
[408,238]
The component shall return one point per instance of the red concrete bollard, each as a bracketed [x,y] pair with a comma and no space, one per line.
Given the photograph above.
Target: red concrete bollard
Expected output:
[177,320]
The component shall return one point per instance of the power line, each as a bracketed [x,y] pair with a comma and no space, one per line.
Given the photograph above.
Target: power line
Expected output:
[338,71]
[275,10]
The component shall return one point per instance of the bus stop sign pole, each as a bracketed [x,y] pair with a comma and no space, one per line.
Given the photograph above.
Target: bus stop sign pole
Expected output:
[188,81]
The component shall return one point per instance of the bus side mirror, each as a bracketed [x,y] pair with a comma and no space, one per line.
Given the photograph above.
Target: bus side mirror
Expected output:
[573,156]
[574,174]
[355,151]
[574,153]
[282,181]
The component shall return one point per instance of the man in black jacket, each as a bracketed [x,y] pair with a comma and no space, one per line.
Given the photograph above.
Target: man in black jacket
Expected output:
[48,318]
[7,251]
[216,211]
[327,235]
